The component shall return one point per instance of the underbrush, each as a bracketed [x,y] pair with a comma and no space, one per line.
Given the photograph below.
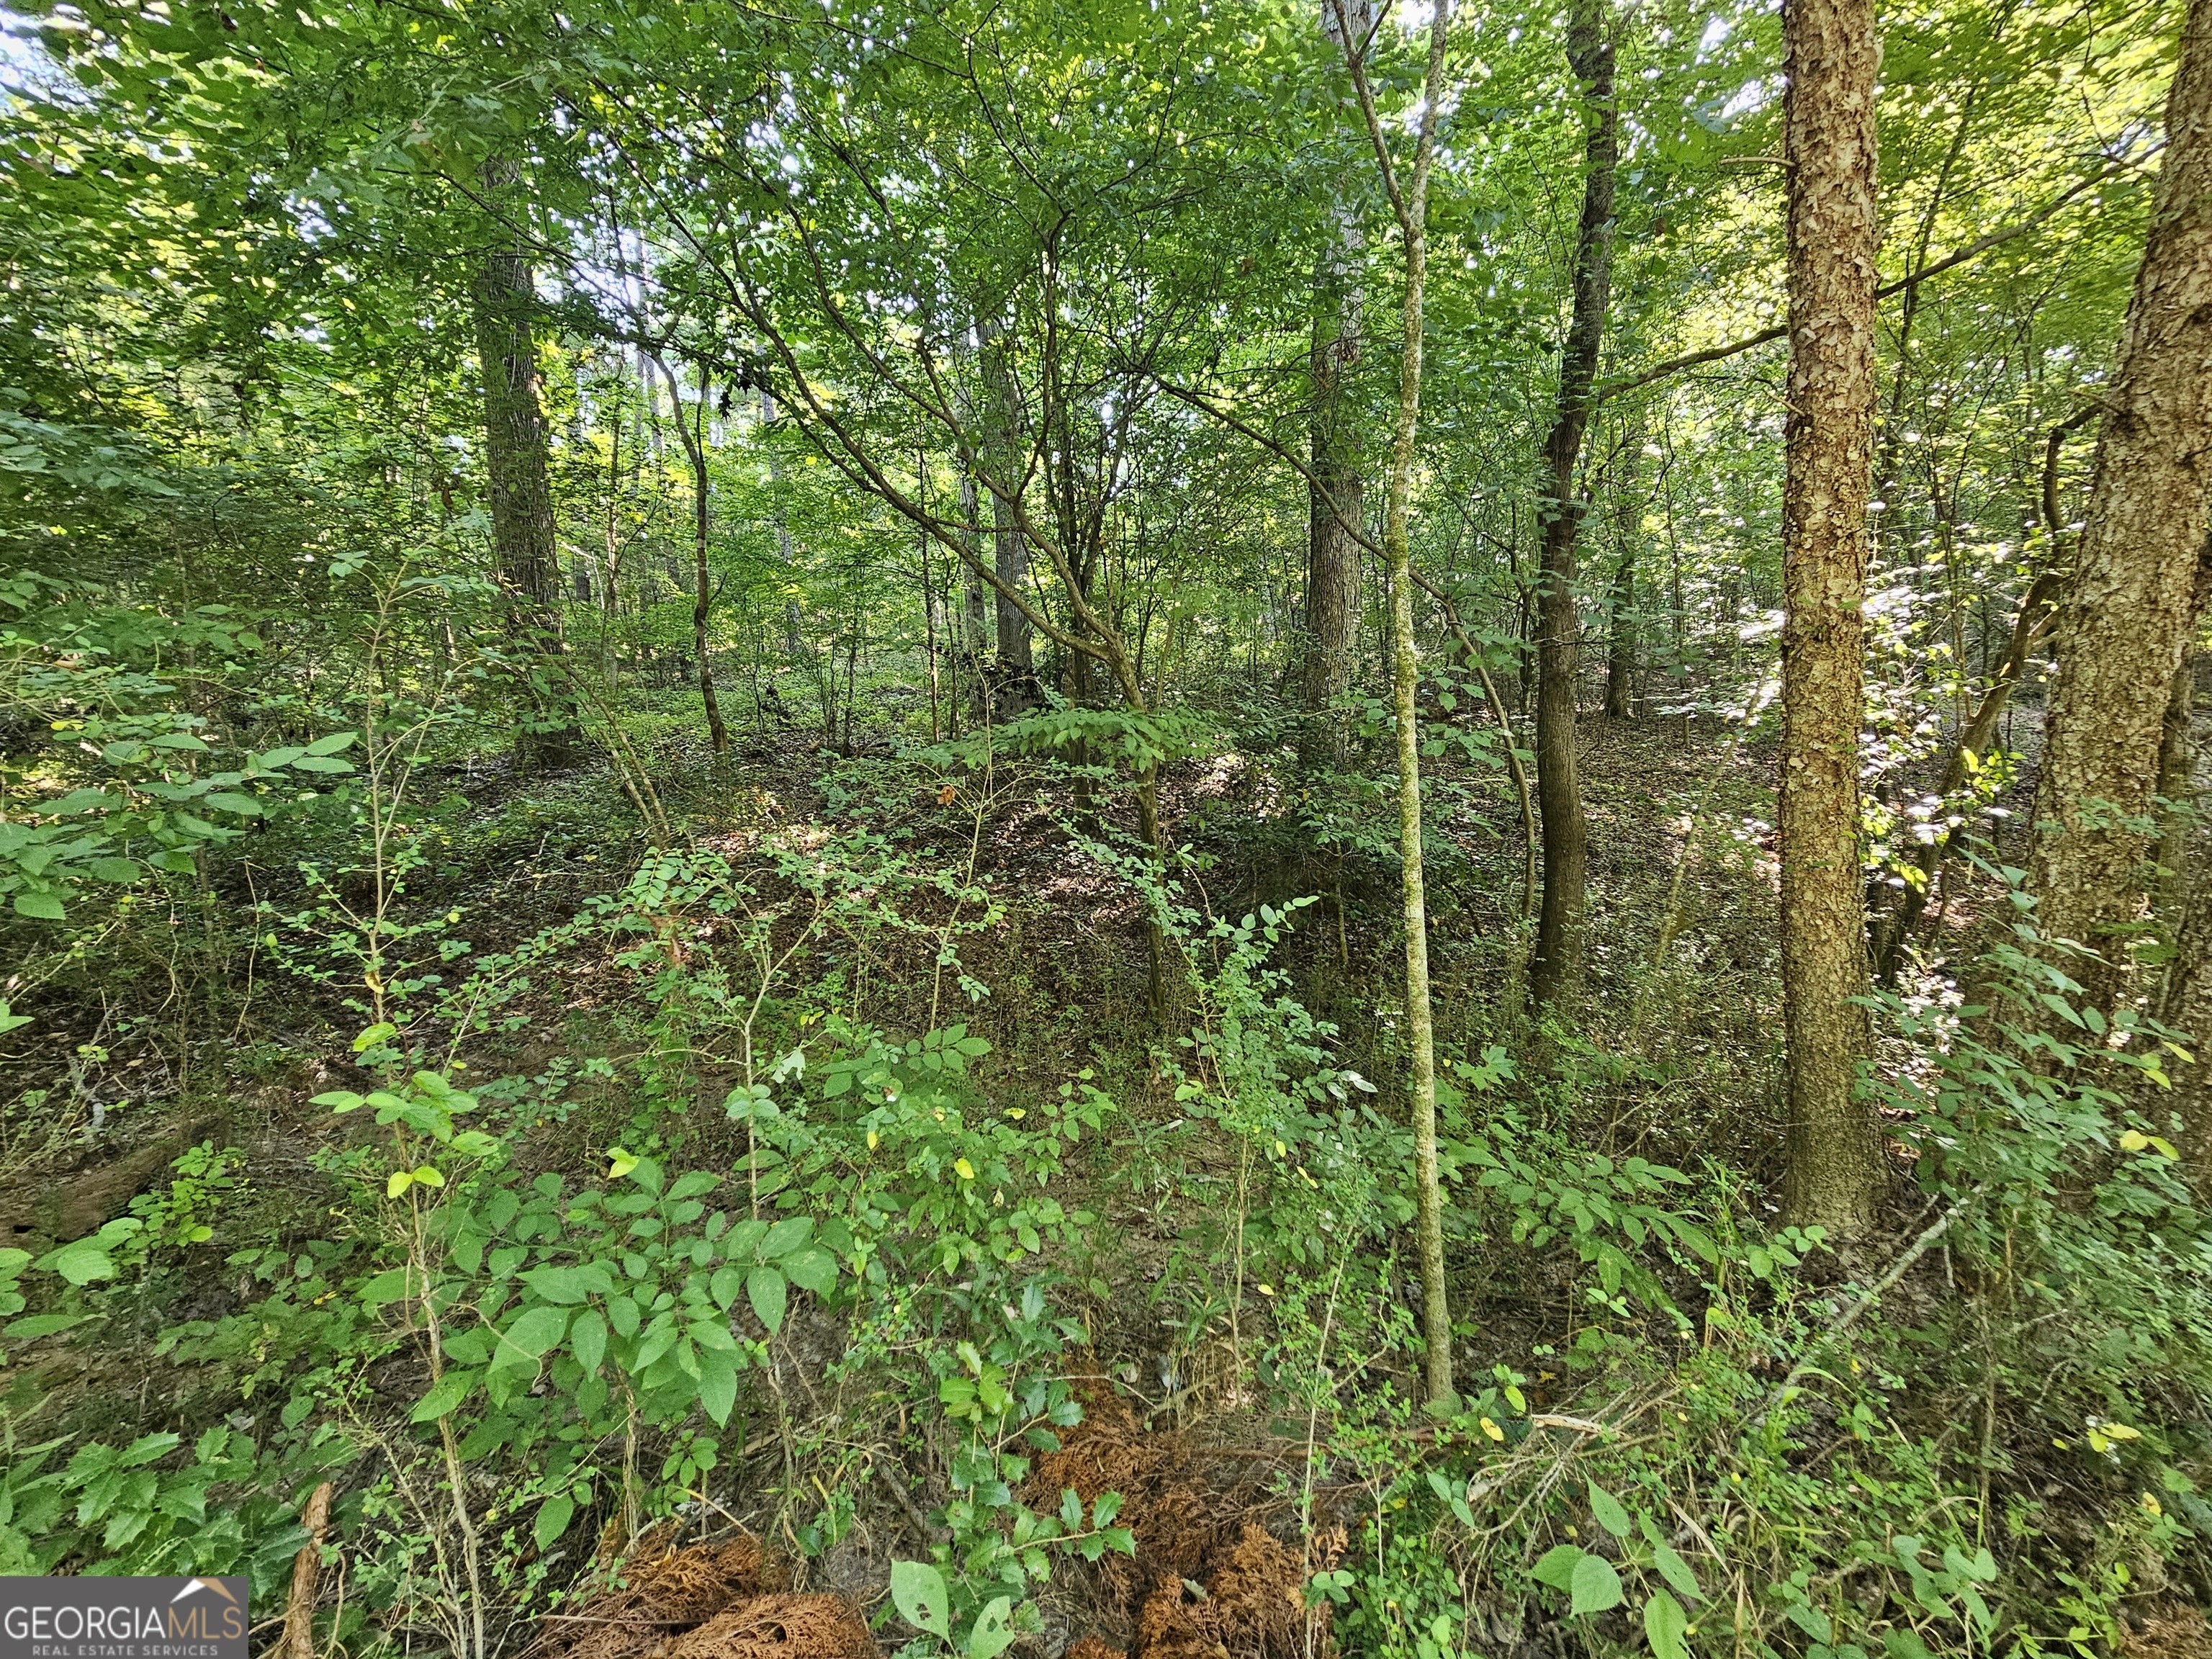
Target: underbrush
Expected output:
[739,1193]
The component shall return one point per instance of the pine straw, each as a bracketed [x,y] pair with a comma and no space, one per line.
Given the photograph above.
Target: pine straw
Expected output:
[1250,1600]
[711,1602]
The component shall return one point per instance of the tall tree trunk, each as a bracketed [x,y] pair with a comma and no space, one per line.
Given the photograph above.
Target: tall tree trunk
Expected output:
[1336,493]
[794,647]
[1411,204]
[1557,961]
[1830,54]
[1889,936]
[505,301]
[1620,618]
[2177,758]
[1010,554]
[974,627]
[2125,621]
[703,595]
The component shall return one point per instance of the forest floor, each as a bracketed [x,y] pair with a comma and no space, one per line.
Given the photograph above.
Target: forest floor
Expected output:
[1673,1057]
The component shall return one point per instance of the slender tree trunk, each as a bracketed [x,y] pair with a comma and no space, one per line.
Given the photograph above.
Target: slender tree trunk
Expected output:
[974,627]
[1890,934]
[1556,965]
[1010,554]
[505,301]
[2125,622]
[793,646]
[1411,206]
[1830,54]
[703,594]
[1336,491]
[1621,619]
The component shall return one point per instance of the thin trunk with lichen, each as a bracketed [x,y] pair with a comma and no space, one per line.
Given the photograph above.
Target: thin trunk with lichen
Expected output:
[1411,206]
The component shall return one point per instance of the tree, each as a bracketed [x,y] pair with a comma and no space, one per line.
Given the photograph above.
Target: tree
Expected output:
[1336,490]
[1411,203]
[2126,620]
[505,299]
[1557,960]
[693,433]
[1831,55]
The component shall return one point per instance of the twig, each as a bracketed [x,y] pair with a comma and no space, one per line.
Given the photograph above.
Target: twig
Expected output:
[1852,1315]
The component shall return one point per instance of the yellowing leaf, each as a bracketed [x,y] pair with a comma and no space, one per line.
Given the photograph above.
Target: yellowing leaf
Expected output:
[1492,1430]
[399,1183]
[963,1169]
[2133,1141]
[619,1163]
[2120,1431]
[872,1139]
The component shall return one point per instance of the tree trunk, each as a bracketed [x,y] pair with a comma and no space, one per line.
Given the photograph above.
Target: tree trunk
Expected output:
[1336,493]
[1890,934]
[1621,619]
[1412,205]
[1557,960]
[703,595]
[505,298]
[1830,54]
[973,625]
[1016,692]
[2125,622]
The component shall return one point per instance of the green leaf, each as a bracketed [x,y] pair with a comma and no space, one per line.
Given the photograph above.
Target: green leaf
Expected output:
[718,1385]
[765,1289]
[991,1635]
[918,1592]
[812,1269]
[245,805]
[536,1330]
[332,743]
[121,871]
[554,1516]
[1609,1511]
[317,763]
[1557,1566]
[786,1236]
[43,906]
[39,1325]
[86,1259]
[445,1394]
[1664,1622]
[588,1338]
[1676,1571]
[1595,1586]
[565,1286]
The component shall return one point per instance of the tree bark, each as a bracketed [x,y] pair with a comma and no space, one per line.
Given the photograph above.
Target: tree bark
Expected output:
[504,299]
[1412,208]
[1890,934]
[703,595]
[1016,692]
[1620,608]
[298,1640]
[1831,55]
[2126,620]
[1556,965]
[1335,490]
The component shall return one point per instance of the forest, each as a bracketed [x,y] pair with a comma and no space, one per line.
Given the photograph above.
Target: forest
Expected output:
[1116,829]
